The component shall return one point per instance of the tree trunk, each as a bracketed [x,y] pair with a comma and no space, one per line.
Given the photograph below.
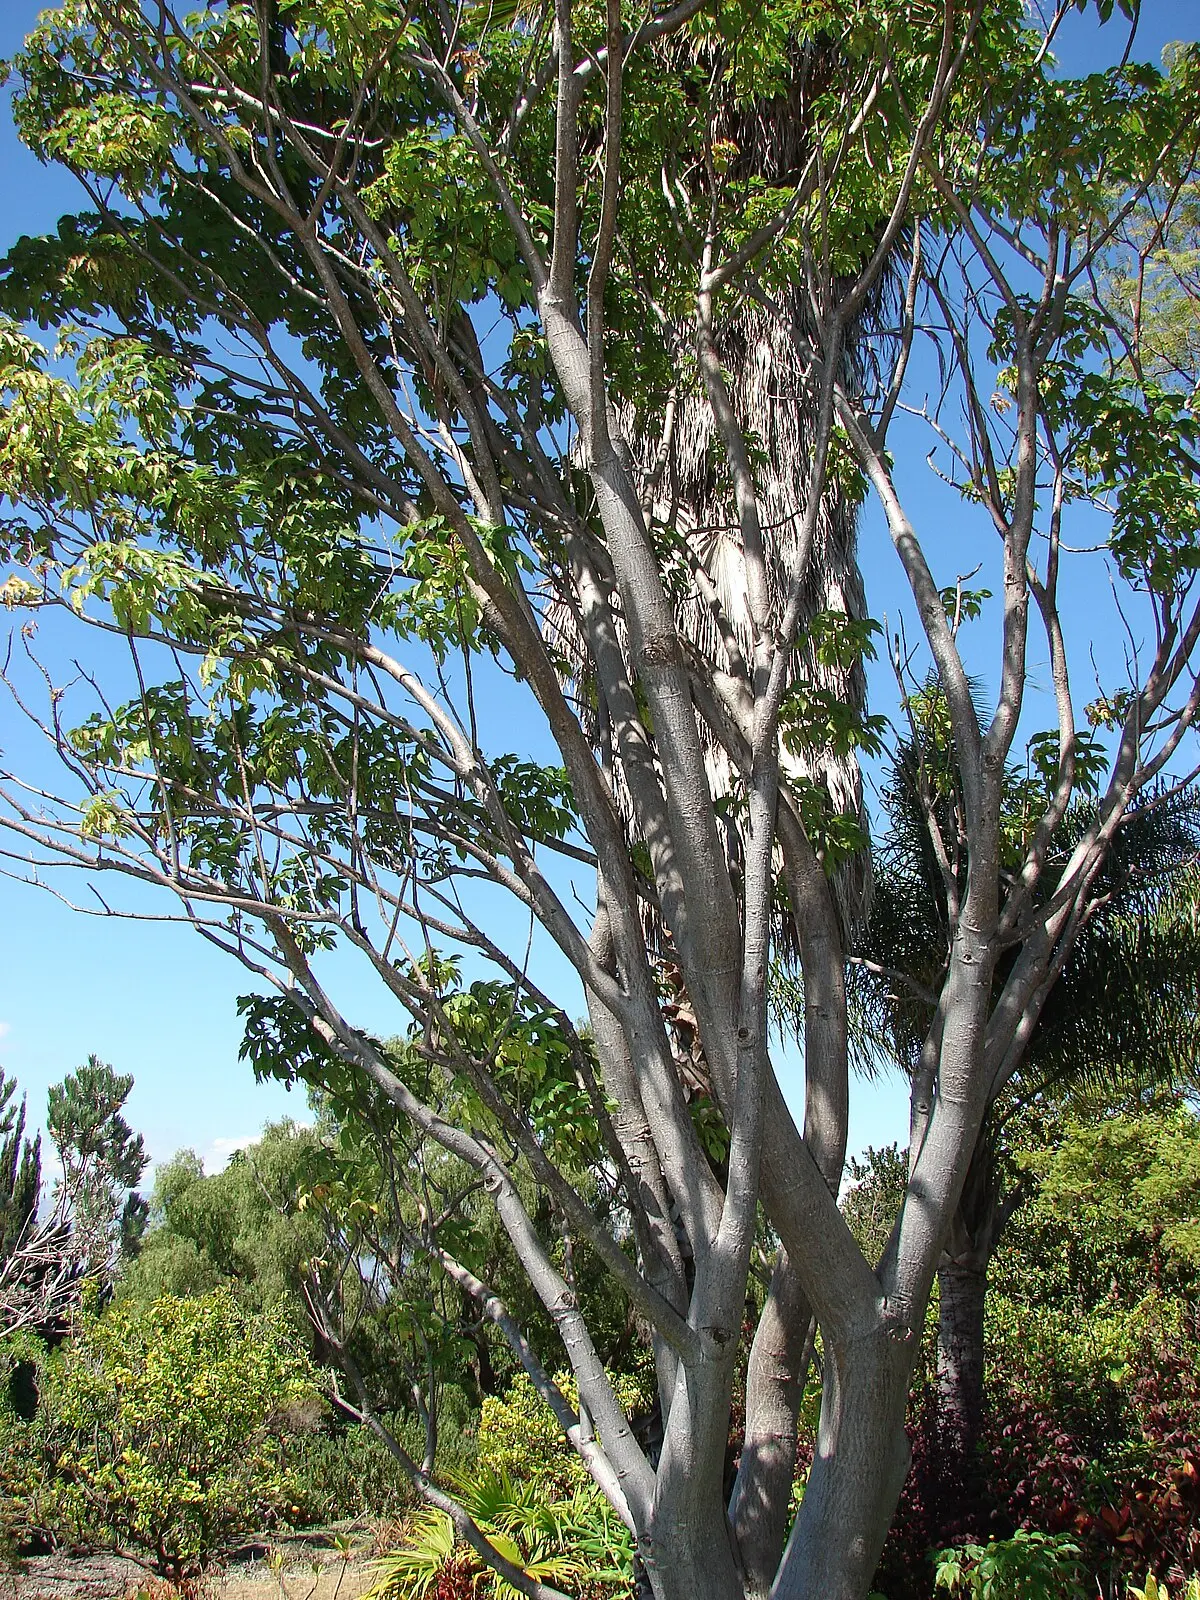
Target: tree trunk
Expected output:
[962,1285]
[687,1564]
[779,1363]
[690,1550]
[861,1461]
[979,1221]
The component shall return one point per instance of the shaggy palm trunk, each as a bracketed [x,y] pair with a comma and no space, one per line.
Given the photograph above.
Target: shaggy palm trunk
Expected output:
[962,1286]
[771,390]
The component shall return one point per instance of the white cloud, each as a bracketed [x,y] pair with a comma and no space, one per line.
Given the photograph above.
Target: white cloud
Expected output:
[216,1157]
[5,1029]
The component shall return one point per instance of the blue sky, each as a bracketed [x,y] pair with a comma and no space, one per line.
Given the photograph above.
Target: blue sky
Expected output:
[154,999]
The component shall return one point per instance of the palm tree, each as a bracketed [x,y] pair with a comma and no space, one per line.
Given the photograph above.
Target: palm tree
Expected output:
[764,352]
[1122,1016]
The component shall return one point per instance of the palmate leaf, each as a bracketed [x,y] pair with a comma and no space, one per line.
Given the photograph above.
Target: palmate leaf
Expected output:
[561,1542]
[1122,1015]
[413,1569]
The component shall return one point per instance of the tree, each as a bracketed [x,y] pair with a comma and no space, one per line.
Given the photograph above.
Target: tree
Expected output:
[166,1424]
[240,1227]
[94,1219]
[1119,1022]
[1121,1025]
[102,1161]
[356,338]
[1151,283]
[28,1281]
[20,1171]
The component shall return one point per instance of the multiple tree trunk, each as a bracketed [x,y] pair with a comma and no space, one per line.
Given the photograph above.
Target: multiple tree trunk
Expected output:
[695,815]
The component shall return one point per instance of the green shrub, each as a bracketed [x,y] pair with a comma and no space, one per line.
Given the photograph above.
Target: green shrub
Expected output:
[519,1436]
[349,1472]
[169,1425]
[1029,1566]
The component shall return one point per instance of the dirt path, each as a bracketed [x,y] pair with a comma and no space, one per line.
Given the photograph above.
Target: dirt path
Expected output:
[308,1573]
[59,1577]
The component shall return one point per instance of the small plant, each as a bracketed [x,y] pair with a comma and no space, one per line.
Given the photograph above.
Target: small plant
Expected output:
[161,1589]
[1154,1590]
[1029,1566]
[414,1569]
[575,1539]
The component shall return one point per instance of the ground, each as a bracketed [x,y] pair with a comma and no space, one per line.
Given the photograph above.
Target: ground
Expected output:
[309,1572]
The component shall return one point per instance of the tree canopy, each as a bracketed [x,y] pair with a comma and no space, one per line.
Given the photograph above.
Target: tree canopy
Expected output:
[349,421]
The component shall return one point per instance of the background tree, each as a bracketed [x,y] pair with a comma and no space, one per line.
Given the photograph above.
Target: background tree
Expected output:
[94,1218]
[1130,1185]
[28,1265]
[1151,283]
[1120,1020]
[405,1236]
[166,1427]
[102,1161]
[350,333]
[20,1171]
[241,1228]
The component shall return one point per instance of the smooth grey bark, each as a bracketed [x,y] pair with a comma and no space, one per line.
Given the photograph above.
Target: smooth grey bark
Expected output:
[939,1167]
[690,1548]
[780,1357]
[784,1340]
[658,1242]
[861,1460]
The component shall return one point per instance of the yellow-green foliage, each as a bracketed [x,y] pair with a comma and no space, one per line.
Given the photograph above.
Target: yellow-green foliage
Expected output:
[1051,1344]
[519,1437]
[1154,1590]
[168,1423]
[1076,1351]
[574,1542]
[1129,1179]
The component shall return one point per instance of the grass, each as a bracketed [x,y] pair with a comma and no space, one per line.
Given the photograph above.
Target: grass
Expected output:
[335,1579]
[326,1577]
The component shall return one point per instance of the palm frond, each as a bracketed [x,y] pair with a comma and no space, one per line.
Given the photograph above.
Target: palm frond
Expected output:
[1123,1014]
[557,1541]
